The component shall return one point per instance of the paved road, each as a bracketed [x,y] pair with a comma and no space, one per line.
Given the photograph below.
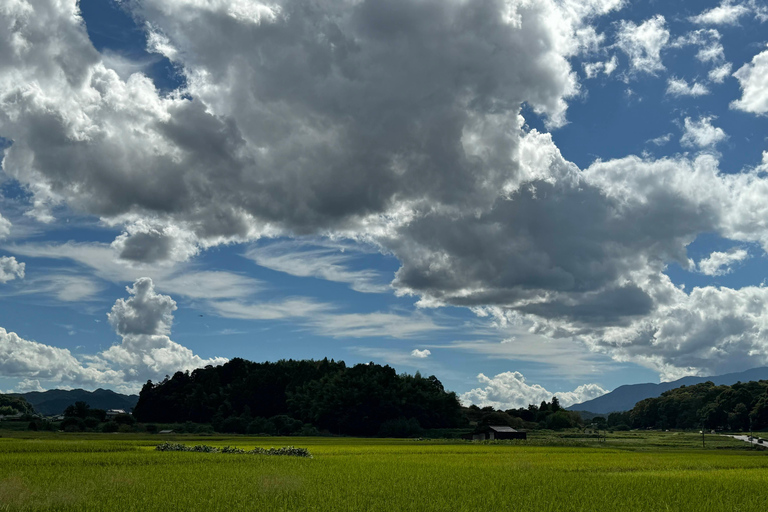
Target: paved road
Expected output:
[751,440]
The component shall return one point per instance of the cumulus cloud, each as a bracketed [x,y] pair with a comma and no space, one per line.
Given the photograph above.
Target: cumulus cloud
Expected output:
[421,354]
[10,269]
[753,79]
[27,385]
[679,87]
[727,13]
[643,43]
[143,321]
[30,359]
[509,390]
[701,133]
[720,263]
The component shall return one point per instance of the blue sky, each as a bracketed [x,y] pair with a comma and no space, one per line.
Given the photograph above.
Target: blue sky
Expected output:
[522,198]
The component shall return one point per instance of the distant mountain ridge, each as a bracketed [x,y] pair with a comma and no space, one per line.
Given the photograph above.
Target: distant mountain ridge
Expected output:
[625,397]
[54,401]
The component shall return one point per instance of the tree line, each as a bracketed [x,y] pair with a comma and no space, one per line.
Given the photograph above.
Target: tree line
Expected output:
[742,406]
[301,397]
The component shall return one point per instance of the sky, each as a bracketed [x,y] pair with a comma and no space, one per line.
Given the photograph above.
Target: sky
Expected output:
[525,198]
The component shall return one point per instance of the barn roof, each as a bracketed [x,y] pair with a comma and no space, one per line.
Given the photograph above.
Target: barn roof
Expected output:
[500,428]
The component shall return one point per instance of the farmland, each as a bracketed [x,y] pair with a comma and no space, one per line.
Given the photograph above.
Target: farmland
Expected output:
[630,472]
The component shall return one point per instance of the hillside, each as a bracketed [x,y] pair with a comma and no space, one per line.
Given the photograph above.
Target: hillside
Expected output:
[624,398]
[54,401]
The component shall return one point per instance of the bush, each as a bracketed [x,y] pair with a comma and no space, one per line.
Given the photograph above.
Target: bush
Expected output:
[124,419]
[91,422]
[110,426]
[151,428]
[261,426]
[232,425]
[201,448]
[72,424]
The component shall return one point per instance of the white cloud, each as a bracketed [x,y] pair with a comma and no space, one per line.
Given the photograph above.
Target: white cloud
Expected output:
[10,269]
[753,79]
[679,87]
[727,13]
[324,261]
[643,43]
[5,227]
[179,279]
[661,140]
[719,263]
[30,359]
[509,390]
[720,73]
[592,69]
[66,287]
[701,133]
[421,354]
[323,319]
[143,321]
[708,41]
[27,385]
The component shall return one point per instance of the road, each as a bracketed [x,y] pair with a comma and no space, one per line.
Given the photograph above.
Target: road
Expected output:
[751,440]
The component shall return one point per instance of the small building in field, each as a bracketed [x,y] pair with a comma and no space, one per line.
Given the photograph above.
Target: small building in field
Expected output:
[495,433]
[166,432]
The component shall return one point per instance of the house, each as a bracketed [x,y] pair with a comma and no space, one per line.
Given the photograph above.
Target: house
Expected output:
[16,416]
[495,432]
[114,412]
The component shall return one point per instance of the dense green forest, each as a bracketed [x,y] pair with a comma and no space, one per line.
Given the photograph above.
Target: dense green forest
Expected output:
[11,405]
[289,397]
[738,407]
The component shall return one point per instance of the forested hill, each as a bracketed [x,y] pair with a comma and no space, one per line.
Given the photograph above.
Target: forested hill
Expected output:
[243,396]
[706,405]
[624,398]
[54,401]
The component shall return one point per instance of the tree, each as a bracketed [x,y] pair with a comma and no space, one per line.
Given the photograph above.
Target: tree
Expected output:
[79,409]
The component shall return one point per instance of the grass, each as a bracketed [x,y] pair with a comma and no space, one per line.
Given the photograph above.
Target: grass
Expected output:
[630,472]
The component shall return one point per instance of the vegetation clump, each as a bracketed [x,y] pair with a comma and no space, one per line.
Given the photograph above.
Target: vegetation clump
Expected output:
[290,451]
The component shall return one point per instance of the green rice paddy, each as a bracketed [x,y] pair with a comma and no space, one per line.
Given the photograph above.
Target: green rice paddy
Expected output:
[630,472]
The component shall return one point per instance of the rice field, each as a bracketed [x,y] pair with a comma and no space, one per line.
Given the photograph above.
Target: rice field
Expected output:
[629,472]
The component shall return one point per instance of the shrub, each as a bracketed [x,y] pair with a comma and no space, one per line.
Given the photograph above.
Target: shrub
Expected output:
[201,448]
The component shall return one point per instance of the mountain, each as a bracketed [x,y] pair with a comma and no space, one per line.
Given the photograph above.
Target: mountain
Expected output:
[624,398]
[54,401]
